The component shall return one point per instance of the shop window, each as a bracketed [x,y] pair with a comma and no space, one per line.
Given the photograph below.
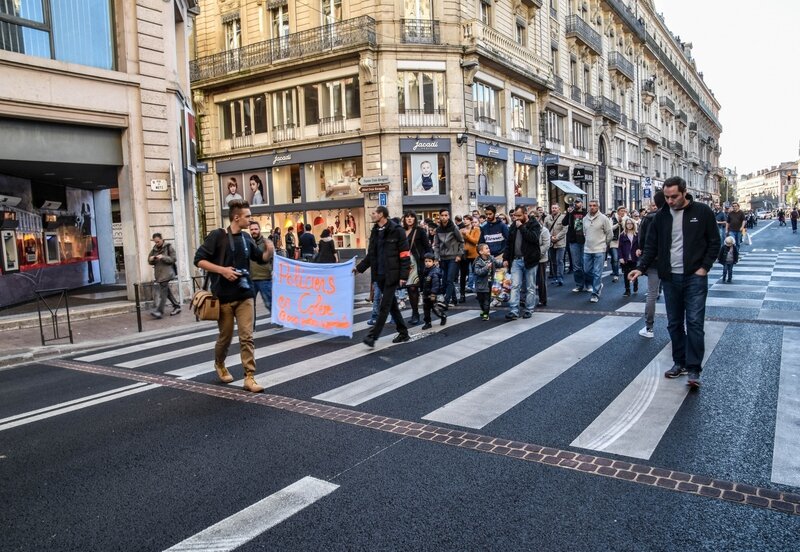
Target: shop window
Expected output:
[491,176]
[331,180]
[487,107]
[286,184]
[424,174]
[525,178]
[347,225]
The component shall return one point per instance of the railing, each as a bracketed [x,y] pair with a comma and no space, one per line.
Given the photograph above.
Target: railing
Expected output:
[420,31]
[623,121]
[666,102]
[693,157]
[682,117]
[633,166]
[352,32]
[559,85]
[590,101]
[580,29]
[676,147]
[486,124]
[505,49]
[651,132]
[521,135]
[423,117]
[634,125]
[625,13]
[618,62]
[331,125]
[281,133]
[610,109]
[693,127]
[242,140]
[649,88]
[576,93]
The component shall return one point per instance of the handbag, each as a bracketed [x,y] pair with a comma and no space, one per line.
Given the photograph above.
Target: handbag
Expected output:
[205,305]
[413,273]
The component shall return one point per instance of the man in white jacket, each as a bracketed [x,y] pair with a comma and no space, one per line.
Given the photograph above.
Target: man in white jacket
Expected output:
[598,233]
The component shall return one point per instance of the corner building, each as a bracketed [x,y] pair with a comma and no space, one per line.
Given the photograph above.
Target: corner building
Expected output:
[318,109]
[96,151]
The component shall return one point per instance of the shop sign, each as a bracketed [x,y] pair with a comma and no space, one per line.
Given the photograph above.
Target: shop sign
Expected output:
[158,185]
[526,158]
[490,150]
[373,188]
[116,233]
[550,159]
[201,167]
[424,145]
[373,180]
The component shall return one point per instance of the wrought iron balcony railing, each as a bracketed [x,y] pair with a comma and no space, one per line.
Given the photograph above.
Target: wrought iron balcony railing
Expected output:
[423,117]
[331,125]
[693,127]
[676,147]
[623,121]
[590,101]
[634,125]
[621,64]
[576,93]
[282,133]
[581,30]
[328,38]
[650,132]
[682,117]
[626,15]
[559,85]
[666,103]
[610,109]
[420,31]
[521,134]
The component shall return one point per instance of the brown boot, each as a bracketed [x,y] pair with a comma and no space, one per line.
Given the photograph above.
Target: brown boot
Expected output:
[223,374]
[251,385]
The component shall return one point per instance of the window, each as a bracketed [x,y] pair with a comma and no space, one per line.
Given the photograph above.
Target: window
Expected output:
[573,71]
[520,34]
[75,32]
[554,129]
[418,9]
[233,33]
[279,17]
[485,12]
[331,11]
[520,119]
[335,100]
[486,103]
[243,117]
[421,98]
[491,176]
[326,180]
[580,138]
[620,153]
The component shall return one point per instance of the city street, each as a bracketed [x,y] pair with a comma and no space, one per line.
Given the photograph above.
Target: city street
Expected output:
[558,432]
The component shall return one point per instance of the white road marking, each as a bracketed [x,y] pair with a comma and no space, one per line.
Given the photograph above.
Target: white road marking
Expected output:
[499,395]
[635,422]
[786,452]
[244,526]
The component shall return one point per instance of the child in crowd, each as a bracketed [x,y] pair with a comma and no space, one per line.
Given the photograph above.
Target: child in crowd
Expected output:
[728,256]
[483,268]
[431,280]
[628,245]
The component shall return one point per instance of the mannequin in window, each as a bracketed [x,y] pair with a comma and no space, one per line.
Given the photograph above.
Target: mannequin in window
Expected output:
[483,181]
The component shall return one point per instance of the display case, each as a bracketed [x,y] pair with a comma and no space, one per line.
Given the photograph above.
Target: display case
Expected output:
[344,241]
[8,248]
[52,248]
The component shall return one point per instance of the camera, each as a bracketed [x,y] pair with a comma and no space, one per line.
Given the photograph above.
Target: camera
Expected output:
[244,278]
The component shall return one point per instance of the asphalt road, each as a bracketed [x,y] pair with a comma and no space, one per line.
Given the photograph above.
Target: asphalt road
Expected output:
[112,452]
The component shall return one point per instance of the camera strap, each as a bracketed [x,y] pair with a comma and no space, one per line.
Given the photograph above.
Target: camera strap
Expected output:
[233,247]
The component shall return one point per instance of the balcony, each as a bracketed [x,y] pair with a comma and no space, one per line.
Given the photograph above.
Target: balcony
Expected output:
[342,35]
[580,30]
[521,135]
[633,166]
[693,128]
[331,125]
[420,31]
[610,110]
[533,3]
[676,148]
[630,19]
[590,102]
[648,91]
[501,48]
[682,118]
[651,132]
[634,125]
[623,121]
[242,140]
[282,133]
[619,63]
[693,158]
[487,125]
[423,118]
[576,93]
[667,104]
[558,85]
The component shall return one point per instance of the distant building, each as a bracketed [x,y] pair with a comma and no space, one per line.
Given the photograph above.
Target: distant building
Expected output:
[766,188]
[97,141]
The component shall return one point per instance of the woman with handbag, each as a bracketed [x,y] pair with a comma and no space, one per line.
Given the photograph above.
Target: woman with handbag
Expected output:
[418,244]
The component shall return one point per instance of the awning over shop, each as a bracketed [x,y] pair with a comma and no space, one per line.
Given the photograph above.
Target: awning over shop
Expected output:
[568,187]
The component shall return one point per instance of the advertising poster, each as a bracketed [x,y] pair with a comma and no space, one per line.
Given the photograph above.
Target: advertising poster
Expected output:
[315,297]
[425,174]
[255,192]
[232,188]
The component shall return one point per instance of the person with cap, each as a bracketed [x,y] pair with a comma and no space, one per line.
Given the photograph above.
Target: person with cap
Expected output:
[573,221]
[162,258]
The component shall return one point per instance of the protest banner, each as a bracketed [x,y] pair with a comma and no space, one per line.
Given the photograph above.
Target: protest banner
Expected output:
[316,297]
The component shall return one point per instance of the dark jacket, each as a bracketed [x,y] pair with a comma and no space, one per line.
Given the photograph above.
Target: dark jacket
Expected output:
[420,243]
[431,279]
[574,223]
[644,227]
[396,255]
[700,241]
[723,254]
[216,249]
[307,244]
[484,273]
[494,234]
[448,243]
[628,247]
[531,252]
[327,251]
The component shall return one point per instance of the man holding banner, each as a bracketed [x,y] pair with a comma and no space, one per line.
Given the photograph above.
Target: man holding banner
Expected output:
[389,260]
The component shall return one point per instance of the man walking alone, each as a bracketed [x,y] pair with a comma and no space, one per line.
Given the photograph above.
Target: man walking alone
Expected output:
[163,257]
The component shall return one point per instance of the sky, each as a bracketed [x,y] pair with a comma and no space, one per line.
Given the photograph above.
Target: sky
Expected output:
[749,55]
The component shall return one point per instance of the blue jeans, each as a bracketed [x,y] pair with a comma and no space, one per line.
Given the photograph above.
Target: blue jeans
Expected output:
[727,271]
[614,251]
[376,300]
[737,236]
[576,251]
[449,272]
[685,299]
[593,270]
[264,287]
[518,272]
[557,264]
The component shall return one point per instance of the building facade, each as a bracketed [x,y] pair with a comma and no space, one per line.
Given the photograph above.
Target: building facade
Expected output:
[316,110]
[97,126]
[767,188]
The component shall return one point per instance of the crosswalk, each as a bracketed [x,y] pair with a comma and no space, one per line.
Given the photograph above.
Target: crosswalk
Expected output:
[425,375]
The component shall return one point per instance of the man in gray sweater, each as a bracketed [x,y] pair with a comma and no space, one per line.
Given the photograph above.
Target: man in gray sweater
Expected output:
[598,233]
[448,243]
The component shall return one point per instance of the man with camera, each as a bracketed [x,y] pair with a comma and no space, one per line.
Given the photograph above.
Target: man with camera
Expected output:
[226,255]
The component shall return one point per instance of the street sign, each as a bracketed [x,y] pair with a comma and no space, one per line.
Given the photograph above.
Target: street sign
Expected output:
[158,185]
[647,193]
[648,181]
[201,167]
[372,180]
[374,188]
[383,198]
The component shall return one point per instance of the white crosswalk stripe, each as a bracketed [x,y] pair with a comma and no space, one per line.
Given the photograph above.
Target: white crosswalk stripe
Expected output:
[786,455]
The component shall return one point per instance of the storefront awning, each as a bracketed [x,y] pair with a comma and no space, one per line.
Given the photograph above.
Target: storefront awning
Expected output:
[568,187]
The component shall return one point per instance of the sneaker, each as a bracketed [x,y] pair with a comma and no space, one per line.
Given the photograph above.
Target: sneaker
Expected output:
[511,316]
[526,314]
[427,326]
[484,316]
[443,320]
[594,298]
[155,314]
[370,322]
[615,279]
[694,380]
[600,290]
[647,332]
[626,294]
[675,372]
[414,320]
[577,289]
[175,310]
[401,338]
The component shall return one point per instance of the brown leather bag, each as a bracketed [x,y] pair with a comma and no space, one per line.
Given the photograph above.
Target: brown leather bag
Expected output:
[205,306]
